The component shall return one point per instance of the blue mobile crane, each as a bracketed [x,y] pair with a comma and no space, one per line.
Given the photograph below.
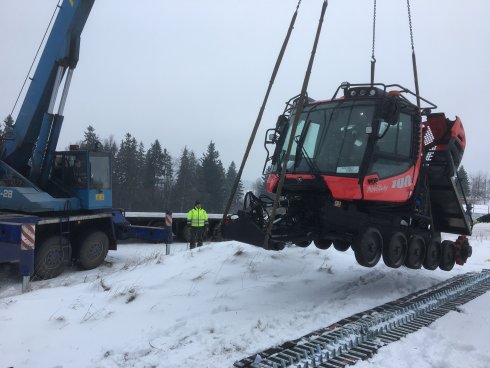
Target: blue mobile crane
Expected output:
[56,207]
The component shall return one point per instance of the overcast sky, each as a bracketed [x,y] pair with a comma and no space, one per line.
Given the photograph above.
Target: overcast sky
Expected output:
[187,72]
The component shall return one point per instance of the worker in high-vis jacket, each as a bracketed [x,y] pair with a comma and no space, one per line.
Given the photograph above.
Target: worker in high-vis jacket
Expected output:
[197,220]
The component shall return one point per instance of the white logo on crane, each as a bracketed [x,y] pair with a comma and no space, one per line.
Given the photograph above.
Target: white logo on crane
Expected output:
[402,182]
[7,193]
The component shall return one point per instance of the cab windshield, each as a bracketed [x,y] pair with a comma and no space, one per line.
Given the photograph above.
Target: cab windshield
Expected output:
[332,137]
[82,170]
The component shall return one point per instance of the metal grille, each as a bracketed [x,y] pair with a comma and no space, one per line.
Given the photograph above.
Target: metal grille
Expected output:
[360,336]
[429,139]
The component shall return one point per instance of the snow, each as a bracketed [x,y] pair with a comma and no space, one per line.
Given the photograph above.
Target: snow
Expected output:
[220,303]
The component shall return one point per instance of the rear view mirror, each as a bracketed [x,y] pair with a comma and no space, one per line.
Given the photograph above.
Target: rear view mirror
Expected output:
[282,121]
[391,110]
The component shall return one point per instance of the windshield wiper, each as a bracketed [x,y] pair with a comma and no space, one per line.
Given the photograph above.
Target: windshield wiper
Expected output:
[309,161]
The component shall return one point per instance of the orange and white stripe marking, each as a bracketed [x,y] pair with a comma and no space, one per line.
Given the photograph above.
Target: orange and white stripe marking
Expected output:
[168,220]
[28,237]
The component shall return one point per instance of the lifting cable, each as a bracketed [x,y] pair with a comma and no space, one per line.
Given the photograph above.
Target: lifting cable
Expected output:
[35,57]
[417,94]
[261,112]
[373,59]
[414,62]
[299,109]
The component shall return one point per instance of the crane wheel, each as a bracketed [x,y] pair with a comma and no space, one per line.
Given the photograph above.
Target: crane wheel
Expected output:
[433,255]
[368,247]
[51,257]
[448,255]
[341,245]
[322,243]
[93,249]
[303,244]
[395,251]
[416,252]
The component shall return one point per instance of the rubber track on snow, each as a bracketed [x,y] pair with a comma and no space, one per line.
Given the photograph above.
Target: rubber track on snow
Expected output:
[360,336]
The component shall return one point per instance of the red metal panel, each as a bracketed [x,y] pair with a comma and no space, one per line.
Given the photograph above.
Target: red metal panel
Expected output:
[343,188]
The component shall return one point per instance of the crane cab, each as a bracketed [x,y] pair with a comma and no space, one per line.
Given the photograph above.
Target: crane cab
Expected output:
[85,175]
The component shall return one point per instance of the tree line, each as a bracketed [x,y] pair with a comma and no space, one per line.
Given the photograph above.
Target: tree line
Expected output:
[152,180]
[476,186]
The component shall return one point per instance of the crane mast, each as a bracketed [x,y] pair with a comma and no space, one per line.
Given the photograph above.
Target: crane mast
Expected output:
[30,144]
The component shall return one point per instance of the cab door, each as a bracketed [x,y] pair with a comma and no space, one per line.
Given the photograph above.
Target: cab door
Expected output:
[391,174]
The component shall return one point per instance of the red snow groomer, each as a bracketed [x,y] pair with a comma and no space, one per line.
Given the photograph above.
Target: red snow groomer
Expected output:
[368,170]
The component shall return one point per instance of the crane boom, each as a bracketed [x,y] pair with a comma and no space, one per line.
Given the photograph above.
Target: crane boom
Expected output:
[36,130]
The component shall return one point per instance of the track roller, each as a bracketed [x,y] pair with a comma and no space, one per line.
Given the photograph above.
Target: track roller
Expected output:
[368,246]
[416,252]
[341,245]
[448,255]
[395,251]
[433,255]
[322,243]
[303,244]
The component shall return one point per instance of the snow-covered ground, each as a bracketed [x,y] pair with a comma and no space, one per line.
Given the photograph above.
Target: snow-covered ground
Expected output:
[212,306]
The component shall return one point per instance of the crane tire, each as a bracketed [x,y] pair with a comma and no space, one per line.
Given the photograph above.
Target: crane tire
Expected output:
[93,249]
[51,257]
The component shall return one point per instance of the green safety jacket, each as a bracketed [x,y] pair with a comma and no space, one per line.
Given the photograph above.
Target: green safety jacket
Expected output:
[197,217]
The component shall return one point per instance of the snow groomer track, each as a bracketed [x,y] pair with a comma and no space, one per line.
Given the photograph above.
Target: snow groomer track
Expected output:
[360,336]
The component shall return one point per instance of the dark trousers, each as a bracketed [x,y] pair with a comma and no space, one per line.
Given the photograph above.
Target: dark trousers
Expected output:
[197,234]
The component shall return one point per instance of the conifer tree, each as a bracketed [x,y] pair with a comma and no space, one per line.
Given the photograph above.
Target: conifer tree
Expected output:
[90,141]
[126,172]
[212,180]
[231,175]
[167,180]
[259,187]
[8,123]
[110,145]
[153,172]
[136,196]
[463,181]
[186,185]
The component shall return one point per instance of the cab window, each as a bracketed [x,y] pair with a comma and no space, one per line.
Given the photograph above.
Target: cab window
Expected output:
[393,148]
